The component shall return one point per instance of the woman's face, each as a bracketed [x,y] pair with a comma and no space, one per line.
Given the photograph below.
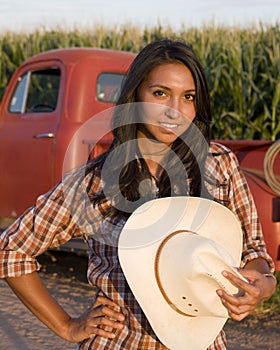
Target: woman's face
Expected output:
[171,87]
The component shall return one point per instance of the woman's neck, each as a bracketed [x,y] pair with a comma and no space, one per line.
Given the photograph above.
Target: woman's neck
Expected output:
[153,153]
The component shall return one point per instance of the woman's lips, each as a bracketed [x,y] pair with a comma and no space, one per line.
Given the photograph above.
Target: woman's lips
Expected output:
[168,126]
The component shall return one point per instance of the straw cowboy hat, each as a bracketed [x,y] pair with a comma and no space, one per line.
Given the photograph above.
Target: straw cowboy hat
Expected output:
[172,252]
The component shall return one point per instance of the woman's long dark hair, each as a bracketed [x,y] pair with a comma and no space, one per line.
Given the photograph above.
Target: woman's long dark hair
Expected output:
[190,149]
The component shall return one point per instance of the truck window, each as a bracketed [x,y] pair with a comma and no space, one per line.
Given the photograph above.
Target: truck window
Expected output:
[109,86]
[17,102]
[36,92]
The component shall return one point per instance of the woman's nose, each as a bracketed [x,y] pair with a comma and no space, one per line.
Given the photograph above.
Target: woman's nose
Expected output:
[172,109]
[172,112]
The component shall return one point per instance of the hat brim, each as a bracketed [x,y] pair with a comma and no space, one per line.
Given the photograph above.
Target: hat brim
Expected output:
[139,241]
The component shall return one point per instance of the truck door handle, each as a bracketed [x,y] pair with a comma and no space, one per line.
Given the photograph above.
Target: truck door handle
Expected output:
[47,135]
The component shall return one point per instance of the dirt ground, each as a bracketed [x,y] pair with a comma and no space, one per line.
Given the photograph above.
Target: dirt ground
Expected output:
[64,275]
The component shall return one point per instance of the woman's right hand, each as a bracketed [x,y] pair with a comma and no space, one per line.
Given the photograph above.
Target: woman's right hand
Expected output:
[103,318]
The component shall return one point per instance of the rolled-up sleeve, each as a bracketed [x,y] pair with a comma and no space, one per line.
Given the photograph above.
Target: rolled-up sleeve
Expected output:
[242,203]
[231,188]
[48,224]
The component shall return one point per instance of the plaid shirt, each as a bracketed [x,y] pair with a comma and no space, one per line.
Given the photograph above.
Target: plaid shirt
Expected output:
[66,212]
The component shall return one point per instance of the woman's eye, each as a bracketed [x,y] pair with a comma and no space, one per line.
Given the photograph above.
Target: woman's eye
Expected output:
[190,97]
[158,93]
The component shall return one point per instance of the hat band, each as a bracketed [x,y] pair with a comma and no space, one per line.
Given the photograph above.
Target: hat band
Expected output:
[156,267]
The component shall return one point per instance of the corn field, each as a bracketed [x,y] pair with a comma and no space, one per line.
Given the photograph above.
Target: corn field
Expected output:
[242,67]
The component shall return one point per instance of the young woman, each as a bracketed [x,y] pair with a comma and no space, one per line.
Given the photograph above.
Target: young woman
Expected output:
[161,147]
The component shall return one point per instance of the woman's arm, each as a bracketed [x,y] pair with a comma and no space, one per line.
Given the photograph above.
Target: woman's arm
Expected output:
[256,262]
[94,321]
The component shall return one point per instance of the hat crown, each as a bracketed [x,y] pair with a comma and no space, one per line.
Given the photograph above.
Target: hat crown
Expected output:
[188,270]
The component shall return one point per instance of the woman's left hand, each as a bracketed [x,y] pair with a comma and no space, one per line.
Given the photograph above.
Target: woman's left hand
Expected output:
[258,289]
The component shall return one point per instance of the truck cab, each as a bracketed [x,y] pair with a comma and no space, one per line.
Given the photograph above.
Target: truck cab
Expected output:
[48,98]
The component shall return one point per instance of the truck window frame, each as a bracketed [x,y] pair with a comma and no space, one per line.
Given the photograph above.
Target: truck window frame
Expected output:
[108,86]
[28,89]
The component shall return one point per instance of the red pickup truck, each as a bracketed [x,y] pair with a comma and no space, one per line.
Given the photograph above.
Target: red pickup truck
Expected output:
[48,98]
[53,94]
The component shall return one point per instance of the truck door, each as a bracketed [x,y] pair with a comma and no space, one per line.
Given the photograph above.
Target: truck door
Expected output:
[30,119]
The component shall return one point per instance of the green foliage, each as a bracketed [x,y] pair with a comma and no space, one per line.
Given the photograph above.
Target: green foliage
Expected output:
[242,67]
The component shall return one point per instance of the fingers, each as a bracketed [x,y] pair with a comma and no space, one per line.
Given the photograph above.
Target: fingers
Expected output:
[104,327]
[237,308]
[105,318]
[242,304]
[105,301]
[237,280]
[106,307]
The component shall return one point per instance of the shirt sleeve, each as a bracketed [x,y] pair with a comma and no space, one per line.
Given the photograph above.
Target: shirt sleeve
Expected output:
[240,201]
[52,221]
